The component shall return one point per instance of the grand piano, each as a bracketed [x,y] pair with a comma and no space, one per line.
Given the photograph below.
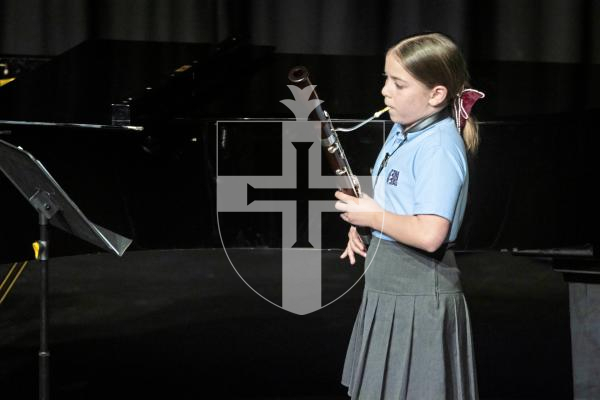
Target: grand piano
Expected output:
[129,129]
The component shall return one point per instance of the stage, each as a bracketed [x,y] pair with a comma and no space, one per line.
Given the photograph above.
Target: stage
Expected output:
[182,324]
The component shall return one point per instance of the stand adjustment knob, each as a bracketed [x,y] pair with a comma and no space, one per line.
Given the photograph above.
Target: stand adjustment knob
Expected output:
[36,250]
[40,249]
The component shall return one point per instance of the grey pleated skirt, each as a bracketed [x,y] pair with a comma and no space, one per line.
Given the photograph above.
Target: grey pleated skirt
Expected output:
[412,336]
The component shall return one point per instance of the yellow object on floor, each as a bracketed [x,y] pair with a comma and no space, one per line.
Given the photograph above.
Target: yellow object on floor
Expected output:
[6,81]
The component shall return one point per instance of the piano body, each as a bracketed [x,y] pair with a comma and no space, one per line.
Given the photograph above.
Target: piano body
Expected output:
[129,130]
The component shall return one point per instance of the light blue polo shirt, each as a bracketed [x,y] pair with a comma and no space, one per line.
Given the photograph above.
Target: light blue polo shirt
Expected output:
[428,174]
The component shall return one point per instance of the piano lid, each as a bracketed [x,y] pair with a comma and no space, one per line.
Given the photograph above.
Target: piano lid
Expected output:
[81,85]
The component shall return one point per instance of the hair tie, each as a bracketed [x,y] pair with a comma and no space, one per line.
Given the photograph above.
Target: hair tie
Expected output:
[463,104]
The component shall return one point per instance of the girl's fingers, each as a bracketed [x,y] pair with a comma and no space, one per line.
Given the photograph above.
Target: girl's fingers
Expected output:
[351,257]
[344,254]
[356,240]
[356,249]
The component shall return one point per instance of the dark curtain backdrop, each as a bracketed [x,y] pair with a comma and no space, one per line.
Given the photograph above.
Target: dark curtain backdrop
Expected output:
[521,30]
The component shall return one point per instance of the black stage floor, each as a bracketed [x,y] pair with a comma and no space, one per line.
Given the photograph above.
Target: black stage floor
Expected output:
[182,324]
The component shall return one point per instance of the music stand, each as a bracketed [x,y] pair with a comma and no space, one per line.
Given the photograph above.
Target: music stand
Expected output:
[53,205]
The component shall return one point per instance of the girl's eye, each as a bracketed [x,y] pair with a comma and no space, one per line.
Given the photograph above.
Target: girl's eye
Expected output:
[396,84]
[399,85]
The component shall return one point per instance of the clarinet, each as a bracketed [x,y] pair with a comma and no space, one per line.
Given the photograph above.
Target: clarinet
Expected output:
[332,148]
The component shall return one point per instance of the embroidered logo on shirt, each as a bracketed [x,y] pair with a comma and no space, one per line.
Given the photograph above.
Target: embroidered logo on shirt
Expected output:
[392,178]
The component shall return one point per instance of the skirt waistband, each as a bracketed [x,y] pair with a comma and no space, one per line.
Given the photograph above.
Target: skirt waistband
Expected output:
[398,269]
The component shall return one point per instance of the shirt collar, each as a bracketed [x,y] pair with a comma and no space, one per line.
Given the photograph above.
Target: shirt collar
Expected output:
[397,130]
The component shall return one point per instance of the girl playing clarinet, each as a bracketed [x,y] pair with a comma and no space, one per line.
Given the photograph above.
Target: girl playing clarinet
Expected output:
[412,336]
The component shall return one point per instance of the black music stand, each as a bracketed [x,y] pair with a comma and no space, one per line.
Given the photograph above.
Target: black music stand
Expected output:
[53,205]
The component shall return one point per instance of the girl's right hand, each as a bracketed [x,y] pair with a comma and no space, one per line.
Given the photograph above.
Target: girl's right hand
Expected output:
[355,246]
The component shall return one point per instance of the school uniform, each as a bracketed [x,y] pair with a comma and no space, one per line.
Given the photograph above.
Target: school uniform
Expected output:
[412,336]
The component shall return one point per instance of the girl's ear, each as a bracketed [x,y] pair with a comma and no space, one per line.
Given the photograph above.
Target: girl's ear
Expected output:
[438,95]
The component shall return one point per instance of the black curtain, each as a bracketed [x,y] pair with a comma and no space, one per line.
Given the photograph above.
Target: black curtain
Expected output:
[521,30]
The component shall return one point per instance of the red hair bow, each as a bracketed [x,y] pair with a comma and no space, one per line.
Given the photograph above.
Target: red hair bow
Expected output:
[463,104]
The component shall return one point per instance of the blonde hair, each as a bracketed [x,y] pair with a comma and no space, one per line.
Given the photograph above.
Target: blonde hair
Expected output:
[434,59]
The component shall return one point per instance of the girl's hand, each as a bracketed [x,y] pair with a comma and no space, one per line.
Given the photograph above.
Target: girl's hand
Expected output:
[359,212]
[355,246]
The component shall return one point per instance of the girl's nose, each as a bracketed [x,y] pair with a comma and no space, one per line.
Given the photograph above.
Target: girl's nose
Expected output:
[384,89]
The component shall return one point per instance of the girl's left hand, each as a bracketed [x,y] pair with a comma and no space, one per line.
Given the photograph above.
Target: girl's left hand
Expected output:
[358,212]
